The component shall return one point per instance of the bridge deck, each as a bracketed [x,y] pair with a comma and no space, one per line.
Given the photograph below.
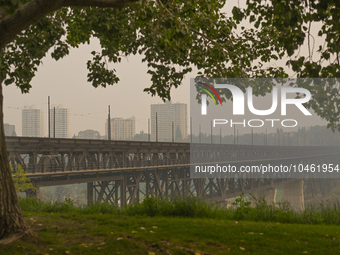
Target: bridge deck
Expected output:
[122,171]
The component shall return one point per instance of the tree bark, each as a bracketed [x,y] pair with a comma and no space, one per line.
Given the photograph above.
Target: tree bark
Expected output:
[12,223]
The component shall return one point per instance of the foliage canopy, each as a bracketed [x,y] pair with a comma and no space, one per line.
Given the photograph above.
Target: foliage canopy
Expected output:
[308,33]
[173,36]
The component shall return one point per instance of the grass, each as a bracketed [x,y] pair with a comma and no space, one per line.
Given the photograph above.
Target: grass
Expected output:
[179,227]
[327,213]
[73,233]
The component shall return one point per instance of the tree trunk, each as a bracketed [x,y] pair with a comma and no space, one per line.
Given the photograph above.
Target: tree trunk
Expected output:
[12,223]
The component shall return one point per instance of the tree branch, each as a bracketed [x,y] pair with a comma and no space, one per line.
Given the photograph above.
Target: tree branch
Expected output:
[98,3]
[33,11]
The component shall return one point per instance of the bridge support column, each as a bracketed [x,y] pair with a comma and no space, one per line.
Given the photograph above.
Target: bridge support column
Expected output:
[11,158]
[33,193]
[32,162]
[173,159]
[187,158]
[123,201]
[293,193]
[89,193]
[268,194]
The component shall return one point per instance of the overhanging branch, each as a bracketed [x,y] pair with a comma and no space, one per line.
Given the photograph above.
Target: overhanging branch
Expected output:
[98,3]
[33,11]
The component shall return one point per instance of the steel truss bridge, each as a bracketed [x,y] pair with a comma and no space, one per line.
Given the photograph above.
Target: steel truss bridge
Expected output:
[124,172]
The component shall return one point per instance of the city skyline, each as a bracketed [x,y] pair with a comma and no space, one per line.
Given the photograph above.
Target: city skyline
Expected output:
[33,120]
[9,130]
[65,81]
[172,121]
[89,104]
[64,115]
[121,129]
[103,133]
[61,123]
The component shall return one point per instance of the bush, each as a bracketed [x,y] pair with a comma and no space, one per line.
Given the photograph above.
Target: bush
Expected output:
[21,182]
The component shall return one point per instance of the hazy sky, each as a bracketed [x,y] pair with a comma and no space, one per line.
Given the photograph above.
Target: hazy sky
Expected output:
[65,81]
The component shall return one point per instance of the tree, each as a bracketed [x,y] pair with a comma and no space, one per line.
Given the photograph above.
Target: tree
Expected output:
[141,136]
[178,134]
[21,182]
[289,26]
[64,191]
[171,35]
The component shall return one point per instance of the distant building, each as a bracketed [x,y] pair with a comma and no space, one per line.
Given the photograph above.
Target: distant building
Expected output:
[172,121]
[33,121]
[62,122]
[89,134]
[121,129]
[9,130]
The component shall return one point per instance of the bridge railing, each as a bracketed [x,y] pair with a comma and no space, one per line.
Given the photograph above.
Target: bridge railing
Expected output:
[53,166]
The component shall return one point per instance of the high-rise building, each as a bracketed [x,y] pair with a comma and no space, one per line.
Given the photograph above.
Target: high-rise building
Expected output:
[88,134]
[9,130]
[121,129]
[172,121]
[62,122]
[33,121]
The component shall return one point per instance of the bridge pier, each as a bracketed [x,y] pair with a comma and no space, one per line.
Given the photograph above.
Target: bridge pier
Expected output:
[89,193]
[268,194]
[293,193]
[123,201]
[33,193]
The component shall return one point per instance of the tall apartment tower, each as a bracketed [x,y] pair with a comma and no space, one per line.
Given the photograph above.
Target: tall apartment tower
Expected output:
[121,129]
[172,121]
[62,122]
[9,130]
[33,121]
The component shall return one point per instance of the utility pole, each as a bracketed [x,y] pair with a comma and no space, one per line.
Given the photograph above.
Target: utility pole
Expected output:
[54,122]
[156,128]
[109,126]
[200,133]
[234,136]
[173,137]
[211,133]
[191,130]
[264,139]
[149,130]
[49,118]
[220,135]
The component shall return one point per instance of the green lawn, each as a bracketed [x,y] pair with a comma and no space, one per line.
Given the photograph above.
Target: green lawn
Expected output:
[76,233]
